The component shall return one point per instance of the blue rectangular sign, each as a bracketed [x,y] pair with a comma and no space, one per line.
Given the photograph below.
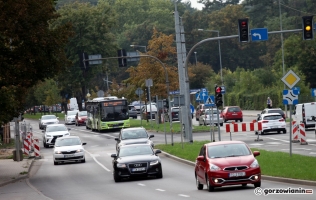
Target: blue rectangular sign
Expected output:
[259,34]
[209,100]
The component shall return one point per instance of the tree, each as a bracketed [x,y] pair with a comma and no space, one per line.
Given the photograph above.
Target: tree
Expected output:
[31,50]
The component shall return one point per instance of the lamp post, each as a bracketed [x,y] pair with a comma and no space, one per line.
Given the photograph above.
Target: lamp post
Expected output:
[220,55]
[195,57]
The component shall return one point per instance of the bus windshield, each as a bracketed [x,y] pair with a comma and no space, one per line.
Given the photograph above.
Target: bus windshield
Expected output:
[111,113]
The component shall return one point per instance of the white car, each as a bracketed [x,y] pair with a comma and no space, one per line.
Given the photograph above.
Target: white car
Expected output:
[52,132]
[206,117]
[272,122]
[47,119]
[70,117]
[69,149]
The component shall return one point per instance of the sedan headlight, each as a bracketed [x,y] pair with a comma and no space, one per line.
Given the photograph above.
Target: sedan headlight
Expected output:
[155,162]
[254,164]
[57,152]
[214,167]
[79,150]
[120,165]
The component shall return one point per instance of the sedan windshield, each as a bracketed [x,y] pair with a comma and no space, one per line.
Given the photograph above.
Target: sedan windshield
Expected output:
[209,112]
[72,112]
[83,113]
[67,142]
[228,150]
[134,134]
[56,128]
[135,150]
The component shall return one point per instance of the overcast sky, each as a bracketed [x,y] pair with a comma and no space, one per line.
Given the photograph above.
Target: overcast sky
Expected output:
[194,4]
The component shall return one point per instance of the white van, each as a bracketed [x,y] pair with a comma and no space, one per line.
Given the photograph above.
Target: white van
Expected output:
[305,113]
[154,110]
[73,105]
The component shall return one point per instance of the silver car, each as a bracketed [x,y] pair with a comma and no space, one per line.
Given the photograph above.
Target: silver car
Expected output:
[207,116]
[47,119]
[52,132]
[70,117]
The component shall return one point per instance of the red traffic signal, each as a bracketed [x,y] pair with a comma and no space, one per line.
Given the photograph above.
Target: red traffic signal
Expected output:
[218,90]
[243,29]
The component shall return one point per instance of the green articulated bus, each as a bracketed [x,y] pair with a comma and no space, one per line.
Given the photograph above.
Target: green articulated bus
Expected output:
[106,113]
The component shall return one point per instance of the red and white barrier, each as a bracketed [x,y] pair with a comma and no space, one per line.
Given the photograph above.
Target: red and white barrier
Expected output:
[302,134]
[242,127]
[295,132]
[26,144]
[36,147]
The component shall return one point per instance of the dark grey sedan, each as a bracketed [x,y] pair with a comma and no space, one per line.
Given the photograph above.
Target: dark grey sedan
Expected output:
[132,112]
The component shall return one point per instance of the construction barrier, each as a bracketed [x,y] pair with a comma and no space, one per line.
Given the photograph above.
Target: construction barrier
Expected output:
[295,132]
[36,147]
[243,127]
[302,134]
[26,145]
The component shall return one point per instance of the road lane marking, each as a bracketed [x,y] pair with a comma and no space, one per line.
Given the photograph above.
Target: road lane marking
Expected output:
[92,155]
[256,144]
[183,195]
[312,152]
[94,146]
[140,184]
[161,190]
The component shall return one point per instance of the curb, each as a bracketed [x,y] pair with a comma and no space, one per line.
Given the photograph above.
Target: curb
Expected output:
[264,177]
[20,177]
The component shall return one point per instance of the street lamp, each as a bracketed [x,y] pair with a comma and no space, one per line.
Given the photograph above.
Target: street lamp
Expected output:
[195,57]
[219,50]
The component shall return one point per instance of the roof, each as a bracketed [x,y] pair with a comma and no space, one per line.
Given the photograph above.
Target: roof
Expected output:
[134,128]
[224,142]
[70,136]
[56,125]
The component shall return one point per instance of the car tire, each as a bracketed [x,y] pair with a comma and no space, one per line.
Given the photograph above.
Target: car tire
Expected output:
[225,120]
[84,160]
[244,184]
[262,132]
[221,124]
[197,119]
[241,120]
[204,123]
[256,132]
[210,188]
[116,177]
[199,186]
[284,131]
[55,163]
[258,184]
[45,145]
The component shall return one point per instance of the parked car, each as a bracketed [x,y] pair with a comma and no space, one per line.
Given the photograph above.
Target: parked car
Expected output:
[206,117]
[146,110]
[52,132]
[274,110]
[175,114]
[232,113]
[81,118]
[136,160]
[69,149]
[272,122]
[70,117]
[138,107]
[137,135]
[132,111]
[199,110]
[47,119]
[226,163]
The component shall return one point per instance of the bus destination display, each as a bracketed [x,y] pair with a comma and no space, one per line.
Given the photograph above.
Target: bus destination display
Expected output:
[114,103]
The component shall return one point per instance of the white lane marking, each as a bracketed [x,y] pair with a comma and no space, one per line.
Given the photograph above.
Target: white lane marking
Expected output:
[310,140]
[140,184]
[303,149]
[183,195]
[92,155]
[96,155]
[274,143]
[277,139]
[94,146]
[312,152]
[256,144]
[161,190]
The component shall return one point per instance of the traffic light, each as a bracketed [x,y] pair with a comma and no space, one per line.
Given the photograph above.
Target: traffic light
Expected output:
[218,96]
[308,27]
[86,63]
[243,28]
[122,61]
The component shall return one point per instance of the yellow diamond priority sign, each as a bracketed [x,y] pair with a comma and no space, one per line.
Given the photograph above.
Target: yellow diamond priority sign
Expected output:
[290,79]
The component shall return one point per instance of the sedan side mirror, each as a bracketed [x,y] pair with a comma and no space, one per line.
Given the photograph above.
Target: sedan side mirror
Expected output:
[151,136]
[200,158]
[117,139]
[256,153]
[113,155]
[157,151]
[84,143]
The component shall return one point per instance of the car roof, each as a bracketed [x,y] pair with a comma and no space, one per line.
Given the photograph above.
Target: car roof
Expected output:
[55,125]
[273,109]
[269,114]
[134,128]
[70,136]
[225,142]
[130,145]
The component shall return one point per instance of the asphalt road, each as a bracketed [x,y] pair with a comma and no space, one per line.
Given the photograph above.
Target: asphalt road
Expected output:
[93,179]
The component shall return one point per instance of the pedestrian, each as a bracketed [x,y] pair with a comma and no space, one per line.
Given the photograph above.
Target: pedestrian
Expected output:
[269,102]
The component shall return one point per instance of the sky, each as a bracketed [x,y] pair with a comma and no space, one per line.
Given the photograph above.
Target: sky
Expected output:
[194,4]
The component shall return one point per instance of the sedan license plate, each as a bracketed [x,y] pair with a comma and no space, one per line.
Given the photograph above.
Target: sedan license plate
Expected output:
[274,126]
[138,169]
[69,155]
[235,174]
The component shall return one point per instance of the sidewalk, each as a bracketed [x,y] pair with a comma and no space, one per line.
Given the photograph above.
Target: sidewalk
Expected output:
[12,171]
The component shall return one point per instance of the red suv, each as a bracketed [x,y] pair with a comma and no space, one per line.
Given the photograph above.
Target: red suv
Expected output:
[232,113]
